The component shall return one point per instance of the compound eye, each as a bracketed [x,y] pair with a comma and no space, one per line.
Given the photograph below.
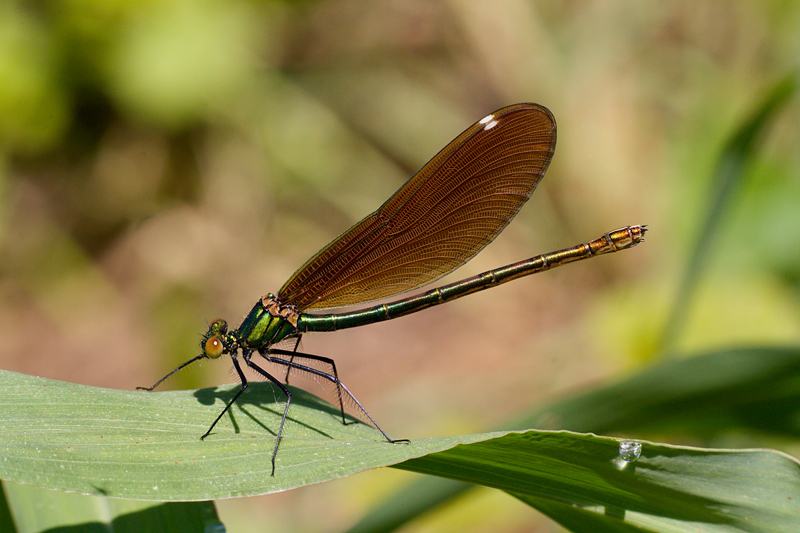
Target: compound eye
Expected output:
[218,326]
[213,347]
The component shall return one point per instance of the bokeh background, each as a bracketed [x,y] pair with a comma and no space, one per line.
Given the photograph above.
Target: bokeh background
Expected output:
[163,163]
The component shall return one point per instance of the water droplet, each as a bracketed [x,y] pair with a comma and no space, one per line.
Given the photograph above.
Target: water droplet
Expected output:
[630,450]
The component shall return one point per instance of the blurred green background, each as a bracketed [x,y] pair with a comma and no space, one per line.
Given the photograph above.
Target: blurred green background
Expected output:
[165,163]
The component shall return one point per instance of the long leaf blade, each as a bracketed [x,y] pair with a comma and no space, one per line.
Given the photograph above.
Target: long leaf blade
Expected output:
[728,176]
[138,445]
[128,444]
[744,388]
[36,510]
[669,488]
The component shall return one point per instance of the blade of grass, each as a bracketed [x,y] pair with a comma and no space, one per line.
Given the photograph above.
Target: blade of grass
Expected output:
[728,177]
[741,388]
[138,445]
[145,446]
[669,488]
[745,388]
[38,510]
[6,521]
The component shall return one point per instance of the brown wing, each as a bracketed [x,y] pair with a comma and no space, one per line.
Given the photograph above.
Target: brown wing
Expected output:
[444,215]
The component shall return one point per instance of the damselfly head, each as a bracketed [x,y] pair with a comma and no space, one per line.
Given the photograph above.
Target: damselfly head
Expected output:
[213,342]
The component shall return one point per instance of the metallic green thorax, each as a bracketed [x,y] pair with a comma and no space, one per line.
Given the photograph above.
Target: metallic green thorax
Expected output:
[267,323]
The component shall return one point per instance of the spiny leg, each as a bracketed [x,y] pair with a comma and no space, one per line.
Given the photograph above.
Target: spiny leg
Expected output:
[184,365]
[285,391]
[327,360]
[289,368]
[332,378]
[243,379]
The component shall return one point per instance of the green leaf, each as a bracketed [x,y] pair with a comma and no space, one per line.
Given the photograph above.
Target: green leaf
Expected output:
[36,509]
[581,480]
[754,388]
[745,388]
[729,175]
[141,445]
[6,520]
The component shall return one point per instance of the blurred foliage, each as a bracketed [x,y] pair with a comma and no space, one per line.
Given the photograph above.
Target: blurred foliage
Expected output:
[162,163]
